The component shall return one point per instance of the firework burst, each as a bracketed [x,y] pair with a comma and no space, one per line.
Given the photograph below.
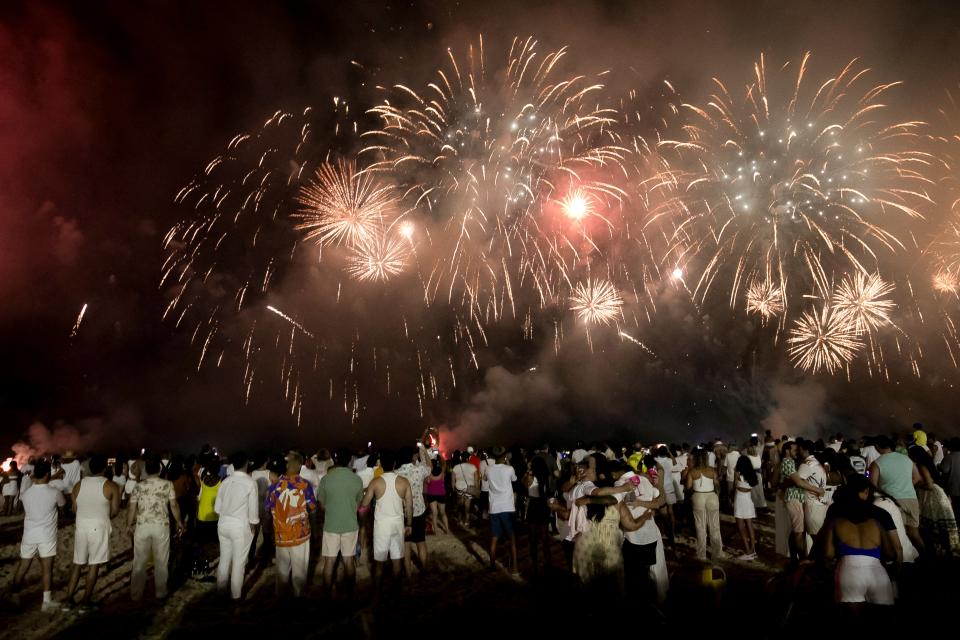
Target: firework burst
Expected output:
[596,302]
[481,149]
[823,340]
[796,182]
[764,299]
[342,206]
[863,300]
[378,259]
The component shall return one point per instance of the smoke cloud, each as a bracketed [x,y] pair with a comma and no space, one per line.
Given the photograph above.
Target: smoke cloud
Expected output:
[797,409]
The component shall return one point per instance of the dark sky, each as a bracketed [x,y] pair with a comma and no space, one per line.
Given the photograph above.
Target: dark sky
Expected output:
[107,109]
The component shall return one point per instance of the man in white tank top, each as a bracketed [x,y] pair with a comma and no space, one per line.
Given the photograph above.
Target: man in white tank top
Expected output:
[392,518]
[96,501]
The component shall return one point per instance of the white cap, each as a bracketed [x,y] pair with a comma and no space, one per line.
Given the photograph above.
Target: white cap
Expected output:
[469,449]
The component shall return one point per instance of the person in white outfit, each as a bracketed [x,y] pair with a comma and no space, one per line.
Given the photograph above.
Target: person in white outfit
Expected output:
[644,559]
[666,462]
[392,517]
[812,478]
[744,511]
[148,523]
[40,506]
[239,514]
[71,471]
[96,501]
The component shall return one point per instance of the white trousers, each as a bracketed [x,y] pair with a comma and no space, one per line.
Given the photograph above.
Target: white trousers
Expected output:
[235,539]
[292,562]
[150,540]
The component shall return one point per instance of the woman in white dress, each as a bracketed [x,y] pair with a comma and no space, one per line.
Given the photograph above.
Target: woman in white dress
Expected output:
[745,478]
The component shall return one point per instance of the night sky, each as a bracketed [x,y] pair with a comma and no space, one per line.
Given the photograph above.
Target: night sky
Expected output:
[107,109]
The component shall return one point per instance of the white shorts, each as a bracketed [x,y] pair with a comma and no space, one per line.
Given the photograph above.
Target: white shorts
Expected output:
[743,506]
[339,543]
[388,540]
[10,490]
[671,497]
[43,549]
[91,543]
[863,579]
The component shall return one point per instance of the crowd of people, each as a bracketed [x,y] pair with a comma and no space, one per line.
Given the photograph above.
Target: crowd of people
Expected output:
[865,508]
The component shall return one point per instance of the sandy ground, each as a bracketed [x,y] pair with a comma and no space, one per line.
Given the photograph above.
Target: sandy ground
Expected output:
[457,591]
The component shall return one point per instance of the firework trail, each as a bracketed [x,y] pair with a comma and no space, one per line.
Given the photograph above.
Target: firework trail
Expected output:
[76,325]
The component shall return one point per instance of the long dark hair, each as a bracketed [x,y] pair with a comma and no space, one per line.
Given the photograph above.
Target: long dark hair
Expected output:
[745,469]
[923,459]
[538,467]
[847,502]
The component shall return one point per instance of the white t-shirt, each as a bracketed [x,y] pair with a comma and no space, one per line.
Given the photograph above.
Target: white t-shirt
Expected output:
[360,463]
[311,476]
[835,446]
[680,466]
[645,491]
[71,474]
[731,462]
[500,479]
[580,490]
[484,465]
[711,459]
[464,475]
[578,455]
[366,476]
[323,466]
[813,472]
[667,464]
[870,454]
[40,504]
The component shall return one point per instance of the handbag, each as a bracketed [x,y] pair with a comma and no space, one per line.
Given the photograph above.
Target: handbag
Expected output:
[471,490]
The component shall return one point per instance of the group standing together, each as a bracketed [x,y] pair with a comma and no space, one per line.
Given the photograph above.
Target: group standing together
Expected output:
[867,507]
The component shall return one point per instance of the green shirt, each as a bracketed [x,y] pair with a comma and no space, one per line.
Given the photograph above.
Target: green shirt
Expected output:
[340,492]
[787,468]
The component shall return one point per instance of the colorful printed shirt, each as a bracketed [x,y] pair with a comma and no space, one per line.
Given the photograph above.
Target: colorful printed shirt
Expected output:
[289,500]
[153,497]
[415,475]
[787,468]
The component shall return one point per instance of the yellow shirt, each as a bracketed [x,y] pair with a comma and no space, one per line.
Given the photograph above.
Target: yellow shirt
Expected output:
[208,496]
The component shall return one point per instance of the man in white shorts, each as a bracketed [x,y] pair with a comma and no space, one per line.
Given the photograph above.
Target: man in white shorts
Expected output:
[341,491]
[96,501]
[40,505]
[393,516]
